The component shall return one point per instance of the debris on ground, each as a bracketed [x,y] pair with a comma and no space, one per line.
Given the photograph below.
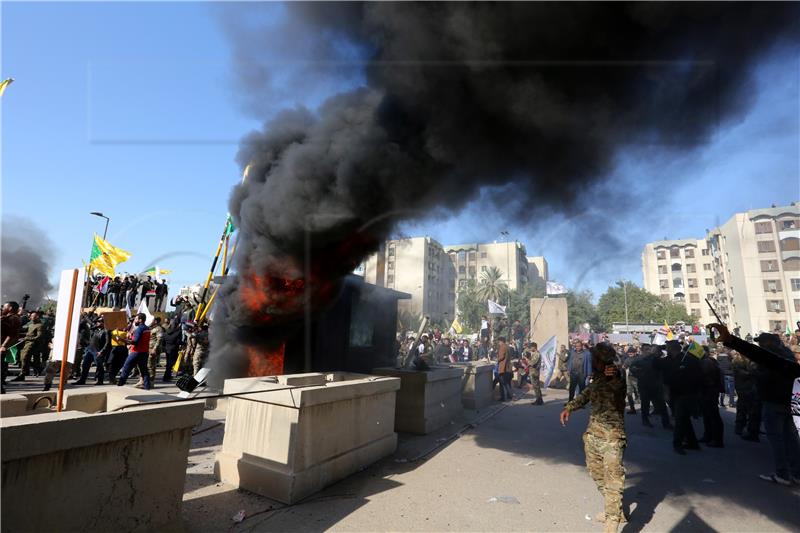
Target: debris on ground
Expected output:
[502,499]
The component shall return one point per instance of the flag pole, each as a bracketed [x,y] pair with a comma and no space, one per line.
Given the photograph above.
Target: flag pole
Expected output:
[63,377]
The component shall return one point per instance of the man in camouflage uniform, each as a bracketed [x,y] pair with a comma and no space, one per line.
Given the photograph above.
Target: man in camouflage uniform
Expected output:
[535,360]
[748,404]
[604,439]
[34,345]
[156,346]
[200,347]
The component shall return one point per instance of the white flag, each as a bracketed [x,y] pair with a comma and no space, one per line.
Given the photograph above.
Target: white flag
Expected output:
[143,309]
[554,288]
[548,353]
[127,307]
[495,307]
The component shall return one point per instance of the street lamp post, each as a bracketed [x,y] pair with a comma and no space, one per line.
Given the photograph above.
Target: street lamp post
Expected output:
[101,215]
[508,270]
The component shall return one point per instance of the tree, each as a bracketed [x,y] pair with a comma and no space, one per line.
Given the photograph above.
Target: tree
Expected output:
[643,307]
[581,311]
[491,287]
[470,307]
[520,301]
[408,321]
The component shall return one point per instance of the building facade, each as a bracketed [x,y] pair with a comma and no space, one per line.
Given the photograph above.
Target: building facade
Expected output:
[433,274]
[749,269]
[681,271]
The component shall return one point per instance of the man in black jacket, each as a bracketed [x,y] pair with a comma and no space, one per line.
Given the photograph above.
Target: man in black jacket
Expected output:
[777,372]
[650,384]
[712,386]
[173,340]
[97,350]
[682,375]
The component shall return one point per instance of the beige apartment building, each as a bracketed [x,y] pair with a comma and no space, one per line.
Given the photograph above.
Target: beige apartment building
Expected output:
[749,269]
[681,271]
[433,273]
[420,267]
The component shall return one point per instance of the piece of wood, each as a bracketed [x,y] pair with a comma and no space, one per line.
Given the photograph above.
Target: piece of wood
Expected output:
[62,379]
[115,320]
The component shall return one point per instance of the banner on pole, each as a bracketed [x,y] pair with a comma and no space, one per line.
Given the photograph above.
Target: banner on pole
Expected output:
[548,353]
[62,312]
[495,307]
[554,289]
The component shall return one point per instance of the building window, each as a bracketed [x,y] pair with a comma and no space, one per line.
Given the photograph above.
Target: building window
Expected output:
[789,224]
[790,244]
[462,256]
[795,284]
[705,251]
[691,269]
[796,305]
[692,283]
[483,255]
[695,313]
[662,269]
[664,284]
[775,306]
[769,266]
[390,279]
[674,252]
[689,253]
[483,268]
[710,297]
[661,255]
[472,272]
[679,297]
[677,283]
[772,285]
[777,325]
[791,265]
[391,251]
[709,282]
[766,246]
[707,266]
[472,256]
[462,269]
[763,227]
[676,267]
[694,298]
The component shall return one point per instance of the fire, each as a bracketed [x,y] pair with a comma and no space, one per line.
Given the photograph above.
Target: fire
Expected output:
[265,362]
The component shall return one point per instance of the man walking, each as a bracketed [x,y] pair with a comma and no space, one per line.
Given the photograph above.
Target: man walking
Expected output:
[155,347]
[139,343]
[604,440]
[97,350]
[504,371]
[173,340]
[682,374]
[32,347]
[579,364]
[748,405]
[535,365]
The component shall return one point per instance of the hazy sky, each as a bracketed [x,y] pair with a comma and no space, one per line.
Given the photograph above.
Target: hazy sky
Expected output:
[133,110]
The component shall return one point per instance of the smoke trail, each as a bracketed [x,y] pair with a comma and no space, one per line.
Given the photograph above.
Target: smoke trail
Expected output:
[534,98]
[26,257]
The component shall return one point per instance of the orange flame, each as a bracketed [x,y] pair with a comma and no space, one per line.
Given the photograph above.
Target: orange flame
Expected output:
[265,363]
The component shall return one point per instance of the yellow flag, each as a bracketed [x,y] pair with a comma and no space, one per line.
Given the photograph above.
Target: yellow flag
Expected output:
[105,256]
[457,326]
[670,336]
[4,84]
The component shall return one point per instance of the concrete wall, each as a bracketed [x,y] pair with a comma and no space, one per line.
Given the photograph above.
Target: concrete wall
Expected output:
[292,441]
[117,471]
[553,320]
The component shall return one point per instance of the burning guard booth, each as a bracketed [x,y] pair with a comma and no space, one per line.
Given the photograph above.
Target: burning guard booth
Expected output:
[355,334]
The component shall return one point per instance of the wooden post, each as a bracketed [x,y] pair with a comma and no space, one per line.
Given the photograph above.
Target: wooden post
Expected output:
[63,377]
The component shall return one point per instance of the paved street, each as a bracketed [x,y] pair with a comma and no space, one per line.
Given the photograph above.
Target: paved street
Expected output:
[517,453]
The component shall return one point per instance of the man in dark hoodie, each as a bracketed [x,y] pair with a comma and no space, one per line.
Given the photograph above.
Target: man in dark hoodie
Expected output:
[682,375]
[651,386]
[775,379]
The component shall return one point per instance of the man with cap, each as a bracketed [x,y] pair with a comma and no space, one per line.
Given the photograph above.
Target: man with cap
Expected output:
[778,370]
[34,345]
[605,439]
[98,348]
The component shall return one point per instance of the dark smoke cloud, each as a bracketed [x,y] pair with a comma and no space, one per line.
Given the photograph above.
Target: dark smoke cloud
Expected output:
[536,98]
[26,261]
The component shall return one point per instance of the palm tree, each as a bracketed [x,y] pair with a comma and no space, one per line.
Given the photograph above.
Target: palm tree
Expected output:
[491,287]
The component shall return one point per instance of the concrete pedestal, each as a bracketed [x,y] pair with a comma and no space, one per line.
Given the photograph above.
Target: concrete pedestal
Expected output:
[88,469]
[427,400]
[476,385]
[305,432]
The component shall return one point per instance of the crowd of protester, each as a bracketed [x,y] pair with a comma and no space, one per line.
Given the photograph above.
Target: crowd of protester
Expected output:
[682,384]
[173,342]
[126,290]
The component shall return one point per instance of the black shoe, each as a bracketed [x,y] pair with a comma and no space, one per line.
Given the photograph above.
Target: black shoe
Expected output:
[679,451]
[46,387]
[20,377]
[692,447]
[99,382]
[751,438]
[79,382]
[631,411]
[715,445]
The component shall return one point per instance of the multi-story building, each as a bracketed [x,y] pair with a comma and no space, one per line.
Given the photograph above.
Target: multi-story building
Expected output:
[433,273]
[418,266]
[471,260]
[749,269]
[757,268]
[681,271]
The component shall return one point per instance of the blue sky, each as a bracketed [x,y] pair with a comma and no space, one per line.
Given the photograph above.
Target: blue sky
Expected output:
[133,110]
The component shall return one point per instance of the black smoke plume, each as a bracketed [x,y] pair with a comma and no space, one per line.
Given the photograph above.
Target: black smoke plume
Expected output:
[534,98]
[26,261]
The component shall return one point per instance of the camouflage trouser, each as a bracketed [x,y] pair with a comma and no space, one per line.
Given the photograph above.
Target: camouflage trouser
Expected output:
[152,362]
[536,387]
[604,462]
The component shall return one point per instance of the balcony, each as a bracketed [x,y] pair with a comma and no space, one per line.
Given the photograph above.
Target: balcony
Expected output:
[789,234]
[790,254]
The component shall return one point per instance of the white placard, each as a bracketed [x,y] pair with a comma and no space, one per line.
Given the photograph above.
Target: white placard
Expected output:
[548,353]
[62,311]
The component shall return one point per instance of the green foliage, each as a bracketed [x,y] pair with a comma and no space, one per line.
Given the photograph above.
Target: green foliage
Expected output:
[520,301]
[491,287]
[470,307]
[581,310]
[408,321]
[643,307]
